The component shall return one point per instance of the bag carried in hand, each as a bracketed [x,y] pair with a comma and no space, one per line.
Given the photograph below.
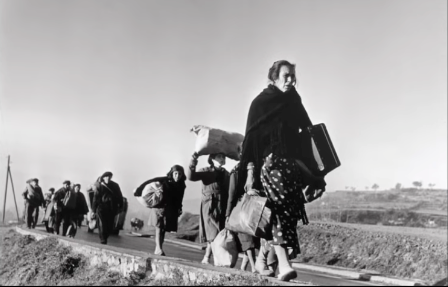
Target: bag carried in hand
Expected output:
[225,249]
[251,216]
[210,141]
[152,195]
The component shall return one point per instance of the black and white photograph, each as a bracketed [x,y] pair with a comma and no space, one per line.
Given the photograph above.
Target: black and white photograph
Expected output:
[223,143]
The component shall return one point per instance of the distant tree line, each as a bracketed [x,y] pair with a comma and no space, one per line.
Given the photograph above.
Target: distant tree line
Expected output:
[398,186]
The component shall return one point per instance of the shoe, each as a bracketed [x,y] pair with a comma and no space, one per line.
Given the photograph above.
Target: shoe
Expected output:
[261,267]
[206,260]
[288,276]
[161,253]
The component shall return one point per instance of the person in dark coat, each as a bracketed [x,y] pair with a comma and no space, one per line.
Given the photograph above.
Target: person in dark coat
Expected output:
[69,213]
[81,206]
[215,189]
[34,198]
[272,144]
[58,205]
[165,217]
[107,201]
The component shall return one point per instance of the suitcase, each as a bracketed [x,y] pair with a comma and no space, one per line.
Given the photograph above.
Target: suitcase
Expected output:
[318,151]
[120,218]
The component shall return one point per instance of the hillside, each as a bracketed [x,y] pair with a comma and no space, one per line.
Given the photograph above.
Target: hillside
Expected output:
[408,207]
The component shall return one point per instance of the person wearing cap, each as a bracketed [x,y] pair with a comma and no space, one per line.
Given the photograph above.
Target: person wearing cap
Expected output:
[58,205]
[81,206]
[107,201]
[164,218]
[34,198]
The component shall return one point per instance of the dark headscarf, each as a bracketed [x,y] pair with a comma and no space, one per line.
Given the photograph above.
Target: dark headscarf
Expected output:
[171,184]
[272,126]
[167,182]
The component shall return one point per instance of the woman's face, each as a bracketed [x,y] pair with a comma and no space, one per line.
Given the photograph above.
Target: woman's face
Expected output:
[286,79]
[220,159]
[177,175]
[106,179]
[77,189]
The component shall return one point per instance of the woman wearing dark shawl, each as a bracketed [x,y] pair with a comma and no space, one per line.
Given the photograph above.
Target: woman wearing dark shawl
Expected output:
[272,144]
[165,217]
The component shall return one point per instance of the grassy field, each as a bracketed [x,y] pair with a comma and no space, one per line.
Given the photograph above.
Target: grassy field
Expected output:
[402,253]
[440,235]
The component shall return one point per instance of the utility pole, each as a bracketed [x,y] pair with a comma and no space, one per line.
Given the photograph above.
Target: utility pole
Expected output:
[9,177]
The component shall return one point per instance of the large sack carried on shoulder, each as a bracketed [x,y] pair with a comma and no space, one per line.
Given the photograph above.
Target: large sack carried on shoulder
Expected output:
[210,141]
[152,195]
[225,249]
[34,195]
[251,216]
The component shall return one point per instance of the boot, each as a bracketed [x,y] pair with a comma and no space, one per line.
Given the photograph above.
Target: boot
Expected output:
[261,263]
[286,272]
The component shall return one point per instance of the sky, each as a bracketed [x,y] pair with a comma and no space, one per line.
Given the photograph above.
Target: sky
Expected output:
[94,86]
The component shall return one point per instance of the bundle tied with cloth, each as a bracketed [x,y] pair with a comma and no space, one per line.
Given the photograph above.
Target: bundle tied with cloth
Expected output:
[151,196]
[213,141]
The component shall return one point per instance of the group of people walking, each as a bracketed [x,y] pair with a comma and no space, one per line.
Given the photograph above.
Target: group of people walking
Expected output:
[68,206]
[270,166]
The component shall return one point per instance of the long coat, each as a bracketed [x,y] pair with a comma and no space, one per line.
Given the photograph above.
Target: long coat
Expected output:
[109,194]
[214,200]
